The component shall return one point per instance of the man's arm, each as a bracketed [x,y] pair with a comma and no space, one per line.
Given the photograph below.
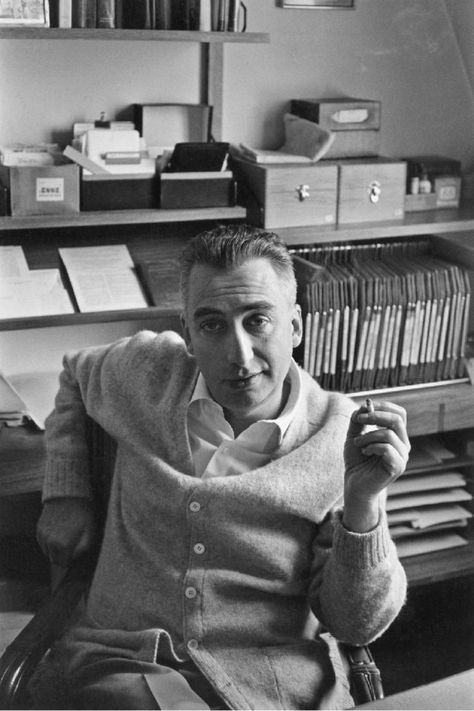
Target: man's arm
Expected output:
[359,584]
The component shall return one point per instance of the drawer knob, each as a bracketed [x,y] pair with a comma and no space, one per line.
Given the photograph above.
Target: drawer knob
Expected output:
[302,191]
[375,191]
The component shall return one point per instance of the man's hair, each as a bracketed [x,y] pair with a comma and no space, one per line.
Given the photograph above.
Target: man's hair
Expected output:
[230,246]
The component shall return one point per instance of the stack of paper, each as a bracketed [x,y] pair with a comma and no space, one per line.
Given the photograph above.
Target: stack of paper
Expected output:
[103,278]
[426,506]
[25,292]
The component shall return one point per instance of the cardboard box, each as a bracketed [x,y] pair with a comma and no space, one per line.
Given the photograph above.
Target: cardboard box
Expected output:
[288,194]
[197,189]
[42,190]
[356,123]
[420,202]
[341,114]
[119,192]
[371,190]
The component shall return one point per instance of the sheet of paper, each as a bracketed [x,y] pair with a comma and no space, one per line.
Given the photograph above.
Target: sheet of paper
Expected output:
[38,391]
[442,496]
[39,292]
[103,278]
[426,482]
[428,515]
[426,544]
[12,262]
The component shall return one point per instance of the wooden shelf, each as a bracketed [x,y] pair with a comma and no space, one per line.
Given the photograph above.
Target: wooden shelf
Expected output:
[413,224]
[121,217]
[439,565]
[59,33]
[152,313]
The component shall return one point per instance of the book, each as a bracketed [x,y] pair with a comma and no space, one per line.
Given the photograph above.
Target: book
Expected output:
[159,281]
[162,15]
[84,13]
[65,13]
[205,16]
[106,14]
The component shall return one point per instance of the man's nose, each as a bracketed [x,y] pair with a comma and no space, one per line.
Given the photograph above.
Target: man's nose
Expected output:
[239,347]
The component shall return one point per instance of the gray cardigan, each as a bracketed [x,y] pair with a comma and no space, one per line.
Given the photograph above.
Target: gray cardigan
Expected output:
[276,568]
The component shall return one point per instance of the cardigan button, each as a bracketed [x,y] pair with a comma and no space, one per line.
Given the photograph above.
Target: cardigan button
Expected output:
[199,548]
[193,644]
[190,593]
[194,506]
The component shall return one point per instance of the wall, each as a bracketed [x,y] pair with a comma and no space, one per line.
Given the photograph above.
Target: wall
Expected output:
[403,52]
[413,55]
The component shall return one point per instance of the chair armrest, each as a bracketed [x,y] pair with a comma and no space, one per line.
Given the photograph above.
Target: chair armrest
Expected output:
[364,675]
[22,656]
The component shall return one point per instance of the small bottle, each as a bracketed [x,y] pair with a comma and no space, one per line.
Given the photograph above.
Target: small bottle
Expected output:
[425,183]
[415,185]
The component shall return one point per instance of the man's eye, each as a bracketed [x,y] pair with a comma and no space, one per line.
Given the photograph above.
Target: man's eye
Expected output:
[258,321]
[211,326]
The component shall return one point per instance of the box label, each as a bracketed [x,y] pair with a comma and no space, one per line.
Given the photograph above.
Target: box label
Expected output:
[50,189]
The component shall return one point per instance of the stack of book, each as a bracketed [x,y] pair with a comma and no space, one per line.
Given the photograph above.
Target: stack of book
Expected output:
[382,316]
[426,506]
[203,15]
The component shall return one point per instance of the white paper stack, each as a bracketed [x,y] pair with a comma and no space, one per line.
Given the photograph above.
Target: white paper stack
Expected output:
[426,507]
[29,292]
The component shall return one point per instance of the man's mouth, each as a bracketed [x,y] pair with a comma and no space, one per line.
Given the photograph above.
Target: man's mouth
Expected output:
[243,382]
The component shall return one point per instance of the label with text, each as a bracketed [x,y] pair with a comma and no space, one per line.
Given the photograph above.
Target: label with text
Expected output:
[50,189]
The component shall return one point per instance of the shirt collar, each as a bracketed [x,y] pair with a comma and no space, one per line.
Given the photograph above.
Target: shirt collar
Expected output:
[201,392]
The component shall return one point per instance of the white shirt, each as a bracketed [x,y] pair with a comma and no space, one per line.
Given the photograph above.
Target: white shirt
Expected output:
[215,450]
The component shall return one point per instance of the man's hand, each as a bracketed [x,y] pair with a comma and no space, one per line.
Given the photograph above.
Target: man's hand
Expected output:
[376,453]
[66,529]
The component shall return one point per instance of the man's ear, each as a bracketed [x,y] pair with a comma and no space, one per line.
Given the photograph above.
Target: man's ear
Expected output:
[186,334]
[297,323]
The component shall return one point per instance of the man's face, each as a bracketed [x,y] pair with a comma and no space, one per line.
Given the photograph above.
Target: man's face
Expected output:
[242,326]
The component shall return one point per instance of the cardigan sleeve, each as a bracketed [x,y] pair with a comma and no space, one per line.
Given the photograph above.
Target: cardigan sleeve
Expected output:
[358,585]
[102,382]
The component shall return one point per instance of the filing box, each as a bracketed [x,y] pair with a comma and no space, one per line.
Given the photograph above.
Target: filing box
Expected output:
[197,189]
[42,190]
[119,192]
[288,194]
[355,122]
[371,190]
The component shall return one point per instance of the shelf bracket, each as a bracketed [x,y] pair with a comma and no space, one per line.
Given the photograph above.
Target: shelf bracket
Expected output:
[212,77]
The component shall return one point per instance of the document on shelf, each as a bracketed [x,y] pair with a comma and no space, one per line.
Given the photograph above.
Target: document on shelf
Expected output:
[426,544]
[103,278]
[429,515]
[38,292]
[426,498]
[12,262]
[38,391]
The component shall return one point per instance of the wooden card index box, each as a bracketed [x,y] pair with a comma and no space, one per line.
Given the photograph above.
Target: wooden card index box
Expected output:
[356,122]
[197,189]
[42,190]
[119,192]
[290,194]
[371,190]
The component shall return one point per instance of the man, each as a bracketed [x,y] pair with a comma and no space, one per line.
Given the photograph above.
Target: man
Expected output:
[225,556]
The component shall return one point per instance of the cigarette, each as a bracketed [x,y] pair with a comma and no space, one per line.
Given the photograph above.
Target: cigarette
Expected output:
[369,405]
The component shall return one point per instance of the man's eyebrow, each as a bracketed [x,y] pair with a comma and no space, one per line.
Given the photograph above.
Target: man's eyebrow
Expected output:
[215,311]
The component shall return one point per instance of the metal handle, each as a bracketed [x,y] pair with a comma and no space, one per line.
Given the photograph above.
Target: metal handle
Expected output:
[303,192]
[375,191]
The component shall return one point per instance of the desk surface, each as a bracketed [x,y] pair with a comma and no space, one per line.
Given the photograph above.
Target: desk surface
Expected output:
[454,692]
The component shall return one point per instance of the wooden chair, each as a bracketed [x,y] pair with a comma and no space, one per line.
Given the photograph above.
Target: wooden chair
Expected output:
[22,657]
